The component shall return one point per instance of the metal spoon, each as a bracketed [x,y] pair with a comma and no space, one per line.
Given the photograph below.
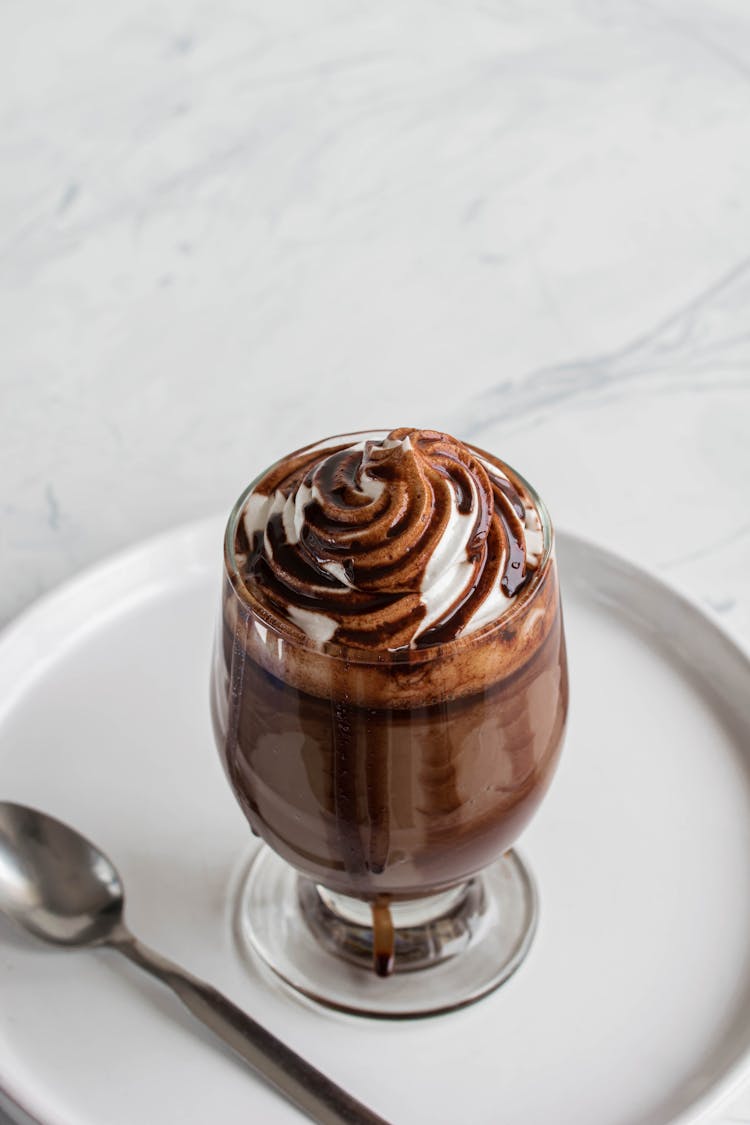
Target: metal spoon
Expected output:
[61,888]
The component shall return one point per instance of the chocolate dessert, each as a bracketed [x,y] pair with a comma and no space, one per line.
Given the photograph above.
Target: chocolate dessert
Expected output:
[393,691]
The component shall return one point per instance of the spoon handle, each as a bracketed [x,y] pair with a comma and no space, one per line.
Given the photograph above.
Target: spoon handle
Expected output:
[300,1082]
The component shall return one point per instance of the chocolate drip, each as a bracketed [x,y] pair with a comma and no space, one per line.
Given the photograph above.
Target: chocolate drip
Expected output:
[339,478]
[514,575]
[300,570]
[510,493]
[241,542]
[383,938]
[378,784]
[461,613]
[240,775]
[450,626]
[345,791]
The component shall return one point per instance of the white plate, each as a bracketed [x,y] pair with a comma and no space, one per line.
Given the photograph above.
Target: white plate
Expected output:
[631,1007]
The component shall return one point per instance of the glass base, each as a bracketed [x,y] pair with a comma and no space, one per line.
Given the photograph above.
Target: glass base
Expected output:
[419,957]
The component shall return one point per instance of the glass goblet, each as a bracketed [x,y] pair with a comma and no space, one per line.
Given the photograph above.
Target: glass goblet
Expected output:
[387,885]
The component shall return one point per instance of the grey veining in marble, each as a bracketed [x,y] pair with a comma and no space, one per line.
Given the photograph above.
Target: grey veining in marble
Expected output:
[646,448]
[223,230]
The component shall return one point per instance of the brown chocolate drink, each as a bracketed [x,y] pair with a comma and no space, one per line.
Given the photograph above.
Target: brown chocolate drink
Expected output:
[393,691]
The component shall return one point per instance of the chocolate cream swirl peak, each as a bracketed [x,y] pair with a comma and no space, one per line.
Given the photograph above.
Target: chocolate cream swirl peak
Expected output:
[388,541]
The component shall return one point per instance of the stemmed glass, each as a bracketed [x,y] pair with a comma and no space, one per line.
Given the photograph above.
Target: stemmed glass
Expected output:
[386,885]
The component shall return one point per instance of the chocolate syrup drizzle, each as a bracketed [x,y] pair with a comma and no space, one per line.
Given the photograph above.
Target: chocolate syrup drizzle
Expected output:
[364,545]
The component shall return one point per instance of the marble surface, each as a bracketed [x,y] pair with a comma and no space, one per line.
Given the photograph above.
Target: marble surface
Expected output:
[228,229]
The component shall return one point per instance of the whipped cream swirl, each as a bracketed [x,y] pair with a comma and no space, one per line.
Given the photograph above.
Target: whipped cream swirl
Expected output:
[388,541]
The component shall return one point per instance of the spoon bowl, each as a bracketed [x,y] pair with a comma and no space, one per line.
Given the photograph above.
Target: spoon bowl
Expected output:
[54,882]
